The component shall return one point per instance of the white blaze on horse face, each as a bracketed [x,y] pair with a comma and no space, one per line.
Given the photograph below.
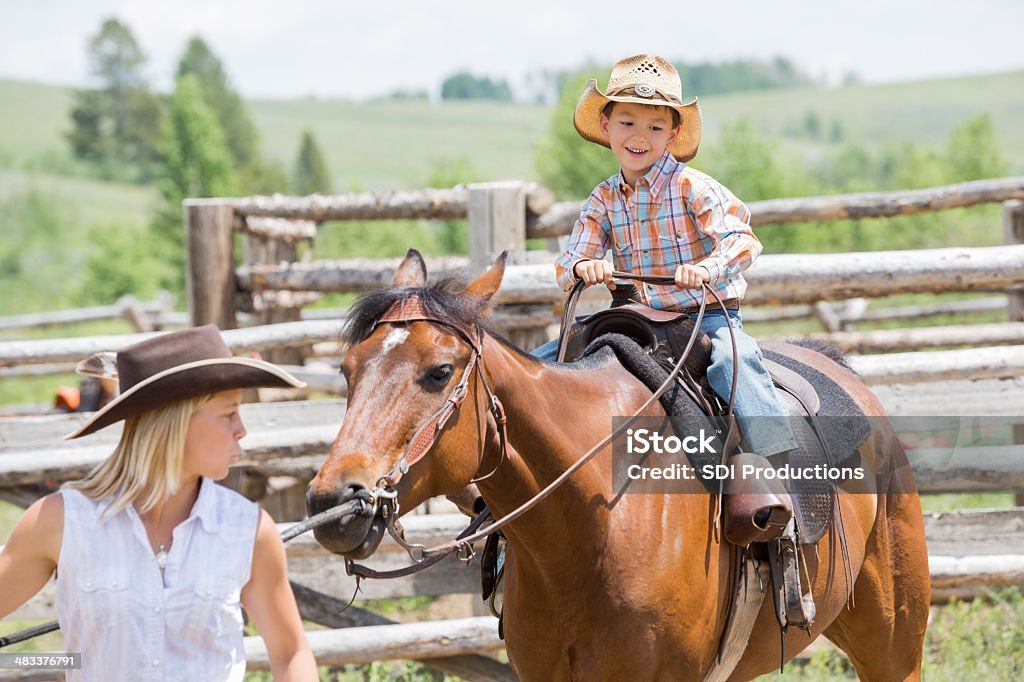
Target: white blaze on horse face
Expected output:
[395,337]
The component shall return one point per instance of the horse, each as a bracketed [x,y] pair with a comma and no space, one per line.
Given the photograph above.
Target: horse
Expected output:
[599,586]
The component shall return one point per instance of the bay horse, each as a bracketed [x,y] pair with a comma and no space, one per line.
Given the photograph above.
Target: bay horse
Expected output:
[600,586]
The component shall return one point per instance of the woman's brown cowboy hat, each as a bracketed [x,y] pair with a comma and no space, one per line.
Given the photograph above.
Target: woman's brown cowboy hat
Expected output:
[641,79]
[172,367]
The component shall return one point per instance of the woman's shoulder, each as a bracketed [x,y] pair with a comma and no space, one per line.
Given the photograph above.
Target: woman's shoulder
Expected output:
[43,522]
[50,509]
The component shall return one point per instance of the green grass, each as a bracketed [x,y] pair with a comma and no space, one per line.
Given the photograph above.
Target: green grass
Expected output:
[976,640]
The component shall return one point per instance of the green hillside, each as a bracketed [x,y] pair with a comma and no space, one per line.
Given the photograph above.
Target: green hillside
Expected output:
[50,206]
[376,145]
[396,144]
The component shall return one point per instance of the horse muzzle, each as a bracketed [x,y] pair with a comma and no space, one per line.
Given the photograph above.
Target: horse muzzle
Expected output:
[355,536]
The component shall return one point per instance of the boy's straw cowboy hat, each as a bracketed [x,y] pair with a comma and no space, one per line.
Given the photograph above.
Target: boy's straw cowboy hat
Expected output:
[641,79]
[173,367]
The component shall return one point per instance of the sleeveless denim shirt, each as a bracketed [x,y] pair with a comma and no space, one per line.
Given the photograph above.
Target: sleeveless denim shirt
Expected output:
[127,620]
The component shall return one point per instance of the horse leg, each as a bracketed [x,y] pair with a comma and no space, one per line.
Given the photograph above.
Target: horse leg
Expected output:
[882,629]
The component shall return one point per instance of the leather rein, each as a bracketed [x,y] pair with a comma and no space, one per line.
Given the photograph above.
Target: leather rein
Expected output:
[384,496]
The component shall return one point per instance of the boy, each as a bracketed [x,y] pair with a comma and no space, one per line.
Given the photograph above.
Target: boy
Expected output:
[661,217]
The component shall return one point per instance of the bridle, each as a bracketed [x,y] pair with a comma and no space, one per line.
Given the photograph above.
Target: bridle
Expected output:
[384,496]
[426,434]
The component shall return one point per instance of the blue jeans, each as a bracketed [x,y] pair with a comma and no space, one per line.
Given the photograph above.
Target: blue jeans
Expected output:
[756,400]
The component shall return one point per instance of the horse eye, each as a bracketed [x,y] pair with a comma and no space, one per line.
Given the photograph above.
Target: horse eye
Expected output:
[441,374]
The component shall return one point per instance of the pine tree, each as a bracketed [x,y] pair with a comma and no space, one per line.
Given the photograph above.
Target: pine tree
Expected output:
[239,130]
[310,176]
[119,123]
[197,163]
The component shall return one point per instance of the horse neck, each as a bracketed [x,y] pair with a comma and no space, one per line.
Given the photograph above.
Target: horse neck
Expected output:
[554,416]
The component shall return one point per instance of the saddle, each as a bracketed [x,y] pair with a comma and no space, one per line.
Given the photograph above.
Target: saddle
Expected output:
[754,512]
[664,335]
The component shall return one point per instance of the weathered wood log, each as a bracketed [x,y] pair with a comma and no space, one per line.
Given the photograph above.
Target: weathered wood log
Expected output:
[969,306]
[886,204]
[260,303]
[44,351]
[774,279]
[965,577]
[999,466]
[414,641]
[560,219]
[434,204]
[809,278]
[209,226]
[439,204]
[162,304]
[349,276]
[280,229]
[335,613]
[56,463]
[31,450]
[497,222]
[983,535]
[908,368]
[311,565]
[991,397]
[17,433]
[885,340]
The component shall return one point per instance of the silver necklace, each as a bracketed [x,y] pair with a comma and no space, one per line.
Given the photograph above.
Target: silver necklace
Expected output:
[161,557]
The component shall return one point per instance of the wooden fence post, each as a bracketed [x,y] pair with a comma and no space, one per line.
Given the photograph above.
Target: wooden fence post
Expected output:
[209,234]
[496,222]
[1013,233]
[1013,230]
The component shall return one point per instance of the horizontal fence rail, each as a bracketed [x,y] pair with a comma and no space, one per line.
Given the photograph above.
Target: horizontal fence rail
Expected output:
[556,219]
[293,438]
[968,552]
[561,217]
[774,279]
[433,204]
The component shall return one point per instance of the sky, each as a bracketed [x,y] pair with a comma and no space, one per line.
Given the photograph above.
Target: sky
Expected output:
[358,50]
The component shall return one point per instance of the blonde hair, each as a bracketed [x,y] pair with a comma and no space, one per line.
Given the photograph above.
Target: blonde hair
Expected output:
[145,467]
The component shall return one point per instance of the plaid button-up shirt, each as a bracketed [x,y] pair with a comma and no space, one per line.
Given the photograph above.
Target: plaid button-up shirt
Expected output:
[674,215]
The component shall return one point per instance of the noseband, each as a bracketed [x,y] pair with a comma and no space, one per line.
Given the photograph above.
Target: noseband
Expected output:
[426,435]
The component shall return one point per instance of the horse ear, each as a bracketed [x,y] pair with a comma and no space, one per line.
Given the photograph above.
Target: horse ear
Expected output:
[486,284]
[412,272]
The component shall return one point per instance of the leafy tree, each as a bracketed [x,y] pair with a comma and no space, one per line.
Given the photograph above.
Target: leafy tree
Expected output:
[119,123]
[567,163]
[239,130]
[464,85]
[310,176]
[707,78]
[972,151]
[122,262]
[197,163]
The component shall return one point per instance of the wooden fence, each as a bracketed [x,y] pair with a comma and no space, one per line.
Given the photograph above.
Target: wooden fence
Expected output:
[969,553]
[968,550]
[504,215]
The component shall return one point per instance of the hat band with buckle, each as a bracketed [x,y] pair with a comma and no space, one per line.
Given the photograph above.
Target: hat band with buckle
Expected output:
[646,91]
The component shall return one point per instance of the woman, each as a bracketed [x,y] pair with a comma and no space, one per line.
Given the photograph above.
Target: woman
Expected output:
[154,560]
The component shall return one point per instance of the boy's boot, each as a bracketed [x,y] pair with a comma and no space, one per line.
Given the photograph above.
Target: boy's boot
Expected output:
[757,508]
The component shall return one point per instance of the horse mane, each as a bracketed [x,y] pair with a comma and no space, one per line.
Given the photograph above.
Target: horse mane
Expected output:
[442,299]
[826,349]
